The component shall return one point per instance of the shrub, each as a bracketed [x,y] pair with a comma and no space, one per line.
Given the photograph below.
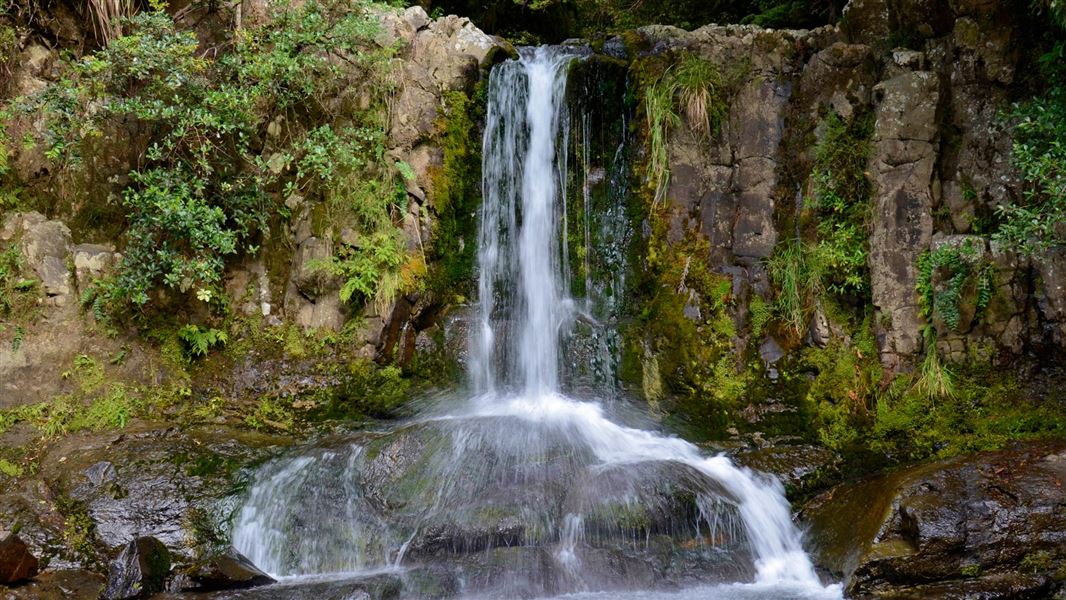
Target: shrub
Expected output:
[202,192]
[697,88]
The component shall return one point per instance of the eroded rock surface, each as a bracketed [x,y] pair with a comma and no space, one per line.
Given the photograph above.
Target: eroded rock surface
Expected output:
[990,525]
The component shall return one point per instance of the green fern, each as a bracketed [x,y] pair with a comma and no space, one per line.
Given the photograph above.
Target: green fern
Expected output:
[198,341]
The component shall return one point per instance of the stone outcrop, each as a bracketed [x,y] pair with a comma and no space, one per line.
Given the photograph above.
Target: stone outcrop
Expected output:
[228,570]
[935,77]
[902,167]
[990,525]
[140,570]
[17,563]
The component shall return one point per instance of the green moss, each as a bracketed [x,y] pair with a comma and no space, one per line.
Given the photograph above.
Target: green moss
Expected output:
[79,530]
[843,391]
[686,330]
[988,410]
[10,469]
[456,192]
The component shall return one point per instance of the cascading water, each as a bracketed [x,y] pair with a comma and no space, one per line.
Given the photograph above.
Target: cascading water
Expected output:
[524,491]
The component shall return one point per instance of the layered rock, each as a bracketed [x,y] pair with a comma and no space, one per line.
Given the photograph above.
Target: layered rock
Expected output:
[991,525]
[17,563]
[936,77]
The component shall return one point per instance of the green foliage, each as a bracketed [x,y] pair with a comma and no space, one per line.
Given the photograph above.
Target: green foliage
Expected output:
[842,204]
[950,276]
[1038,220]
[796,270]
[79,529]
[18,294]
[197,341]
[1036,562]
[201,191]
[761,313]
[934,379]
[271,413]
[69,414]
[807,274]
[661,118]
[695,87]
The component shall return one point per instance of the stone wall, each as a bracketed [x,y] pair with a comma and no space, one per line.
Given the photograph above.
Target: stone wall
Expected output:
[935,76]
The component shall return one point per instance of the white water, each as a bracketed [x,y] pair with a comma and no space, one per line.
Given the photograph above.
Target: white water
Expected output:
[542,310]
[525,313]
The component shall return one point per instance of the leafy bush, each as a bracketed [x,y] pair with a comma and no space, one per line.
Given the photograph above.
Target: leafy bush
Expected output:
[842,203]
[202,191]
[1038,221]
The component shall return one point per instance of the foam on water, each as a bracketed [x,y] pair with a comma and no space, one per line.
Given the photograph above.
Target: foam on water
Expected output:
[525,311]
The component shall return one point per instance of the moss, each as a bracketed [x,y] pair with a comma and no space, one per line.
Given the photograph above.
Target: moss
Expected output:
[685,328]
[79,531]
[847,375]
[455,194]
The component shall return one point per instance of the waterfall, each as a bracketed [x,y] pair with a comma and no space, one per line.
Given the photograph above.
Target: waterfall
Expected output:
[548,470]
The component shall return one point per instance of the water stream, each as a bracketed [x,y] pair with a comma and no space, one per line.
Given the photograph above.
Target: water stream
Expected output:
[521,490]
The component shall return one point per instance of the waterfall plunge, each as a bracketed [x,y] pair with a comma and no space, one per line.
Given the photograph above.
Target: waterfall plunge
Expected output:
[525,310]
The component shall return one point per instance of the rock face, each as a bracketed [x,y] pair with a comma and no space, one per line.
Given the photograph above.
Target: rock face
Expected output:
[229,570]
[17,563]
[139,570]
[179,488]
[902,223]
[990,525]
[934,76]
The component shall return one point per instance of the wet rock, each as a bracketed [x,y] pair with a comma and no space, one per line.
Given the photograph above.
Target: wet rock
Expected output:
[496,518]
[16,561]
[374,587]
[991,525]
[227,571]
[139,570]
[64,584]
[800,468]
[178,487]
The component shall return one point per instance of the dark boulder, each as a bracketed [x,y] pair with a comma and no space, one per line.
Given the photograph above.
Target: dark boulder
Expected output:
[229,570]
[992,524]
[66,584]
[17,563]
[140,570]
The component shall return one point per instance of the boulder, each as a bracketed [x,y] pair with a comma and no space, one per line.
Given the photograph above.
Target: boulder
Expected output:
[990,525]
[64,584]
[229,570]
[139,570]
[17,563]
